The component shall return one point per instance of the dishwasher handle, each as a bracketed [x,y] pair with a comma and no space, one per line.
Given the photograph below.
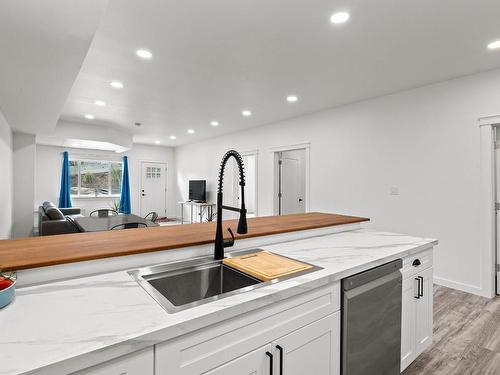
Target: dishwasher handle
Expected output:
[373,277]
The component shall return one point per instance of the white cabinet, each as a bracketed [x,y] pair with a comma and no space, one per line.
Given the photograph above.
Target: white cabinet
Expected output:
[313,349]
[138,363]
[302,334]
[423,330]
[256,362]
[408,317]
[416,317]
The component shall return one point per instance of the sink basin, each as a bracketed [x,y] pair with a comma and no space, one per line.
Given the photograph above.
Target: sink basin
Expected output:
[198,283]
[182,285]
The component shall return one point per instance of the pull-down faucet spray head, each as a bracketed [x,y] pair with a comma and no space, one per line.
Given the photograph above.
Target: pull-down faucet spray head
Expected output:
[220,244]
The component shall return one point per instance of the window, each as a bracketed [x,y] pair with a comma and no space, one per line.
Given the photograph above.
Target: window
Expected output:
[153,172]
[95,178]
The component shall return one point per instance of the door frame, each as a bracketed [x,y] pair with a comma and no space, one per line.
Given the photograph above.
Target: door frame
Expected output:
[141,161]
[487,199]
[237,187]
[307,156]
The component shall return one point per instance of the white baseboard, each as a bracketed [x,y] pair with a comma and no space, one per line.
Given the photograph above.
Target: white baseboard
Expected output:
[473,289]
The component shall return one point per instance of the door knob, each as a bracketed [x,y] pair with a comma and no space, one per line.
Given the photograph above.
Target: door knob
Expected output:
[300,199]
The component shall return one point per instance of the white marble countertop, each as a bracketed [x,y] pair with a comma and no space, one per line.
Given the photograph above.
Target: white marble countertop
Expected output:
[60,327]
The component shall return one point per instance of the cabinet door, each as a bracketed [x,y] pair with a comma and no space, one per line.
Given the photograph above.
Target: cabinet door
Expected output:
[257,362]
[424,309]
[313,349]
[408,316]
[139,363]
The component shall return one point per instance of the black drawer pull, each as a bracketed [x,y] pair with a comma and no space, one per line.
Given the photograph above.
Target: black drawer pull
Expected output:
[418,287]
[280,349]
[416,263]
[421,284]
[270,362]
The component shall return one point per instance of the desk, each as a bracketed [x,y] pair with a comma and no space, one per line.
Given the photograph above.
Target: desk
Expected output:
[99,224]
[202,207]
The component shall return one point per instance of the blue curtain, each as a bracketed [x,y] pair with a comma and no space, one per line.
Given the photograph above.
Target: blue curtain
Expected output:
[64,192]
[125,192]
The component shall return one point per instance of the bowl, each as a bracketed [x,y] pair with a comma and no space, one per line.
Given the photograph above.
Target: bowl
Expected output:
[7,295]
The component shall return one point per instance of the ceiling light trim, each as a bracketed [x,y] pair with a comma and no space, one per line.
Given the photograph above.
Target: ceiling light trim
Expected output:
[339,18]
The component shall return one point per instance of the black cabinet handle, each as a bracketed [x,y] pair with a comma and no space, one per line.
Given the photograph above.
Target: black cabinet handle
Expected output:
[416,263]
[418,287]
[421,284]
[280,349]
[270,362]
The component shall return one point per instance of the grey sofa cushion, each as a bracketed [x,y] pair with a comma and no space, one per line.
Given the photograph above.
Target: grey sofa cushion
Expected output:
[54,213]
[47,205]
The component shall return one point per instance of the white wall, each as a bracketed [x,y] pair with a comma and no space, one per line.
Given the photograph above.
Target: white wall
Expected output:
[48,176]
[424,142]
[6,190]
[24,181]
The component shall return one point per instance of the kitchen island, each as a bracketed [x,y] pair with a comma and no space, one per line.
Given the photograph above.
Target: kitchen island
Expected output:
[109,325]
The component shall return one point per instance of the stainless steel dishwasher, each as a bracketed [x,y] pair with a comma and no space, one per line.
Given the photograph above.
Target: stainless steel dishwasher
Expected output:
[371,321]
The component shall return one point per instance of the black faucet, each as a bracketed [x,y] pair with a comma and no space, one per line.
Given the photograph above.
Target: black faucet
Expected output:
[220,243]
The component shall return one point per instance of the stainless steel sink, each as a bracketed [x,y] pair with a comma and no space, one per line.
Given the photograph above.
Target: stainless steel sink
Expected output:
[182,285]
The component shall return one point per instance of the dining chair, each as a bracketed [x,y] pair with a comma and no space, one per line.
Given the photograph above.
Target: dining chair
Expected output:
[153,215]
[128,226]
[104,212]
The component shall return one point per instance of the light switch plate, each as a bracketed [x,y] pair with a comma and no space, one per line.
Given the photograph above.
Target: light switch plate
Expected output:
[394,190]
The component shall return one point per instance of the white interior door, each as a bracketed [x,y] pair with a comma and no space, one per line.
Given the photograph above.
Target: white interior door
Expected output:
[250,164]
[153,188]
[292,182]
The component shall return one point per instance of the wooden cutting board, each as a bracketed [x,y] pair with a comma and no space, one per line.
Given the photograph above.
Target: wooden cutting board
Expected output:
[266,266]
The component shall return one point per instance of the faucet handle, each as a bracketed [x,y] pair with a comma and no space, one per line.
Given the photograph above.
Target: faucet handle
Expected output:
[229,243]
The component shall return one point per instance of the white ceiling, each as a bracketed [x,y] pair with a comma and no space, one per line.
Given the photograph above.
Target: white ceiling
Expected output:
[214,58]
[42,47]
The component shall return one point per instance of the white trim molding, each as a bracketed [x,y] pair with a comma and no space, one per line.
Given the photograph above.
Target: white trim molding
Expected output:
[489,120]
[487,197]
[468,288]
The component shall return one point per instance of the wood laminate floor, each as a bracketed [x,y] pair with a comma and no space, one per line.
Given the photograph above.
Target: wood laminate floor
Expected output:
[466,336]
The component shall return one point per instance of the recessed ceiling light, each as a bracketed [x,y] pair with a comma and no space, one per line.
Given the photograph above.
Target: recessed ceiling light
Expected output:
[144,54]
[339,17]
[173,137]
[100,103]
[292,98]
[89,117]
[214,123]
[246,113]
[157,142]
[116,84]
[494,45]
[190,131]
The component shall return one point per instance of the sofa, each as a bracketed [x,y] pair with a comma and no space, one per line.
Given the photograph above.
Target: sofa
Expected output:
[53,220]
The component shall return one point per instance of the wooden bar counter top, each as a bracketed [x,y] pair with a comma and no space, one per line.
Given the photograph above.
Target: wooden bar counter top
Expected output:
[33,252]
